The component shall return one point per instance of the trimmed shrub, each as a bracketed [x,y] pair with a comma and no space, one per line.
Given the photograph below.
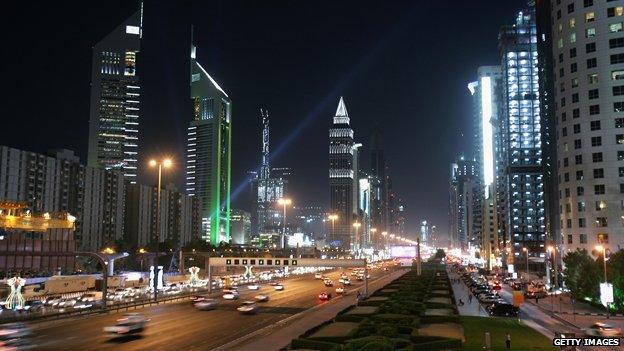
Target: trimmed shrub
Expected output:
[350,318]
[439,319]
[393,318]
[377,346]
[315,345]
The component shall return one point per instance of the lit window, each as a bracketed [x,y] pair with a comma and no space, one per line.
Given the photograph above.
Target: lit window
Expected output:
[590,17]
[572,22]
[615,27]
[590,32]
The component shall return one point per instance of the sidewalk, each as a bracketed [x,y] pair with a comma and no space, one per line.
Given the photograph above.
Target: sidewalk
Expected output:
[280,334]
[562,304]
[460,290]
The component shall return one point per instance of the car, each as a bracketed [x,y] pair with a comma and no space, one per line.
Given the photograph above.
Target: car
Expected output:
[66,303]
[324,296]
[15,336]
[232,295]
[248,307]
[34,306]
[89,297]
[198,297]
[279,287]
[346,282]
[341,280]
[275,283]
[130,323]
[206,304]
[261,297]
[603,330]
[328,283]
[503,310]
[340,290]
[253,287]
[318,276]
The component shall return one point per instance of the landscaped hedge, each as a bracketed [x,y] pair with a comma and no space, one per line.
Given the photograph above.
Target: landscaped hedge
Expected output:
[310,344]
[350,318]
[439,319]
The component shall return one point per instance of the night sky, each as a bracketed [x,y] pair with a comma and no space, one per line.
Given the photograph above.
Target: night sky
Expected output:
[402,65]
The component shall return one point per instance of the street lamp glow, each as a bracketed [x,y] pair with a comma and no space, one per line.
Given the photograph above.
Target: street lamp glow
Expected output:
[599,248]
[167,163]
[332,217]
[550,248]
[356,224]
[284,201]
[108,250]
[153,163]
[384,233]
[525,249]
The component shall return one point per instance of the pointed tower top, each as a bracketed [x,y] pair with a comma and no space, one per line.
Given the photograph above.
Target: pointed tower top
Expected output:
[341,111]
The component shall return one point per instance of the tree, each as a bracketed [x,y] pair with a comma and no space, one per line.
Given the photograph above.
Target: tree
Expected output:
[615,273]
[440,254]
[581,274]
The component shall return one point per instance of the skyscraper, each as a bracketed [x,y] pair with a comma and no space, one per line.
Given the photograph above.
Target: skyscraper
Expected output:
[585,42]
[464,181]
[520,144]
[115,99]
[343,177]
[208,154]
[379,188]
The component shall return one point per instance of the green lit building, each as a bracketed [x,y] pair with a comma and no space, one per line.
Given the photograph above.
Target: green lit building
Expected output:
[208,153]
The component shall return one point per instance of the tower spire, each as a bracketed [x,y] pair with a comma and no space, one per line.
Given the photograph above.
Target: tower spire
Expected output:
[342,116]
[265,170]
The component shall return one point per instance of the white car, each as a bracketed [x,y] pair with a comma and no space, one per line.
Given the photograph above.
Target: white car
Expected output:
[248,307]
[206,304]
[279,287]
[254,287]
[233,295]
[340,290]
[318,276]
[603,330]
[131,323]
[261,297]
[346,282]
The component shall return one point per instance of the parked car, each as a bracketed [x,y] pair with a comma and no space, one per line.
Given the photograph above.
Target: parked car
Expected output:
[603,330]
[503,310]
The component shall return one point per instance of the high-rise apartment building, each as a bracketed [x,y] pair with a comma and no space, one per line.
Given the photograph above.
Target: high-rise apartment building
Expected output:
[464,185]
[115,99]
[208,153]
[519,148]
[585,40]
[343,178]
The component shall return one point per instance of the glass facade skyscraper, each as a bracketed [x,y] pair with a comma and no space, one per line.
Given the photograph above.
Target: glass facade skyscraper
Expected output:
[208,153]
[115,99]
[520,143]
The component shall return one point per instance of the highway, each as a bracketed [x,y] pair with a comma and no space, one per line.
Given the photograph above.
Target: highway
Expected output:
[180,326]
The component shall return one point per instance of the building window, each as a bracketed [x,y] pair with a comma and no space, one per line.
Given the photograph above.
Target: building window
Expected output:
[619,139]
[621,171]
[596,141]
[598,173]
[570,239]
[616,27]
[616,43]
[565,162]
[569,223]
[564,131]
[576,113]
[566,177]
[590,32]
[599,189]
[573,67]
[600,205]
[582,223]
[578,159]
[594,125]
[620,155]
[572,38]
[590,17]
[580,191]
[563,117]
[575,98]
[618,106]
[560,57]
[563,102]
[583,238]
[602,238]
[592,62]
[577,144]
[579,175]
[560,43]
[590,47]
[561,72]
[567,192]
[597,157]
[580,206]
[577,128]
[593,94]
[617,75]
[619,122]
[614,11]
[618,90]
[594,109]
[622,192]
[592,78]
[616,58]
[573,53]
[588,3]
[601,222]
[571,8]
[574,82]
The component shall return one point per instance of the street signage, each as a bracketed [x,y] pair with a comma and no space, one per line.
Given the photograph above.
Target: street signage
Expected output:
[518,298]
[606,293]
[283,262]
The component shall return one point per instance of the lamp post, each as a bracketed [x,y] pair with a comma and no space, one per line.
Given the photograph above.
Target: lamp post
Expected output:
[332,218]
[166,163]
[526,252]
[284,202]
[373,236]
[356,225]
[553,249]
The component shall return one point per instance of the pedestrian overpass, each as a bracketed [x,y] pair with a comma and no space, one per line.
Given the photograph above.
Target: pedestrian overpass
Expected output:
[250,263]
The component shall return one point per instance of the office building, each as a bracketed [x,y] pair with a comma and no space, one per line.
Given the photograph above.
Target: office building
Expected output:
[463,189]
[208,154]
[241,227]
[585,43]
[343,178]
[116,99]
[521,141]
[378,183]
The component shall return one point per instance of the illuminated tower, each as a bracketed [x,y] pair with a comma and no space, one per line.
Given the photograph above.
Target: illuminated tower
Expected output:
[265,170]
[208,154]
[115,99]
[342,177]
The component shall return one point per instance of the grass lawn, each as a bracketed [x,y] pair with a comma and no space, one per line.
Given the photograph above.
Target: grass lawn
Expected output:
[522,337]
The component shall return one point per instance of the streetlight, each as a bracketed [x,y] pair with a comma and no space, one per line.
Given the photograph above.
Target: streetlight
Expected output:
[166,163]
[373,231]
[604,259]
[332,218]
[356,225]
[284,202]
[108,251]
[553,249]
[526,251]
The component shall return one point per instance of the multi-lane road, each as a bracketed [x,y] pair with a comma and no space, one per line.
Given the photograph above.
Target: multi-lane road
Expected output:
[180,326]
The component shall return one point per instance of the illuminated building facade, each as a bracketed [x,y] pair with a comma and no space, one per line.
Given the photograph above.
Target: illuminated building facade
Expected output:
[115,99]
[343,179]
[208,153]
[241,227]
[584,42]
[520,140]
[463,189]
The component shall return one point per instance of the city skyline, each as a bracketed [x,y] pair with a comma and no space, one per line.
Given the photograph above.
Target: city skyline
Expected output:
[304,108]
